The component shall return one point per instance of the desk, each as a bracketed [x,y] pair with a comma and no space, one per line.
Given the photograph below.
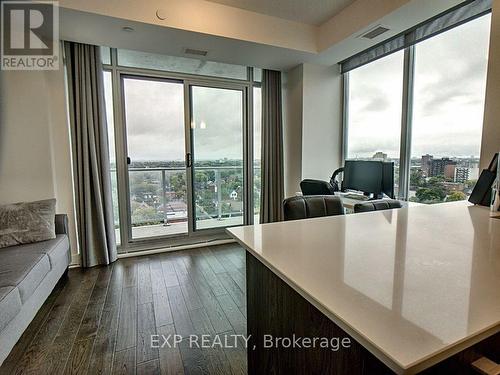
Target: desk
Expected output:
[349,203]
[418,290]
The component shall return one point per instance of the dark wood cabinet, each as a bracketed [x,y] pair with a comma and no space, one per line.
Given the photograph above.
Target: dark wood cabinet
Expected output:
[275,309]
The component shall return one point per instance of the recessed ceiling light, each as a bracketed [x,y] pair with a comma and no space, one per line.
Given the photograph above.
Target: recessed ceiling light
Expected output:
[127,29]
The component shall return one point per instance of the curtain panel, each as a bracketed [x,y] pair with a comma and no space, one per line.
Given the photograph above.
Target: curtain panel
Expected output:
[272,189]
[91,169]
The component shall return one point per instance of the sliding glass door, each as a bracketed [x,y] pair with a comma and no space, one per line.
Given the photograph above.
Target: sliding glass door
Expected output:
[184,148]
[154,117]
[183,156]
[217,128]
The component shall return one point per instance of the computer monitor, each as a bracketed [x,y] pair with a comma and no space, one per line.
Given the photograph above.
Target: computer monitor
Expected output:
[388,178]
[370,177]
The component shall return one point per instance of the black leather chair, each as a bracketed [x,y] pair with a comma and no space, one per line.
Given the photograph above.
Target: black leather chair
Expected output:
[316,187]
[296,208]
[377,205]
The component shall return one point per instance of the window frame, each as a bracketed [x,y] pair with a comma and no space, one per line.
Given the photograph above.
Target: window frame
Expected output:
[406,117]
[127,243]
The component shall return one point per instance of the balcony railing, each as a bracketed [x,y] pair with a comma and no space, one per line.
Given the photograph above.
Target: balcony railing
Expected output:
[158,195]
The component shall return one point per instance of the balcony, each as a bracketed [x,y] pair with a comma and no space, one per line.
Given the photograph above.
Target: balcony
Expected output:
[158,199]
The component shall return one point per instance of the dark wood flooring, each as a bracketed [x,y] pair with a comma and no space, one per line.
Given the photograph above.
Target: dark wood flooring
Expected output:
[100,320]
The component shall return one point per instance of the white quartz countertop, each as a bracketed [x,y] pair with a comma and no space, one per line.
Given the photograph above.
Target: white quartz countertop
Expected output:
[414,285]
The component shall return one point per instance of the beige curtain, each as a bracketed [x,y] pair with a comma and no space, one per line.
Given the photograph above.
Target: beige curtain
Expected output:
[92,178]
[272,192]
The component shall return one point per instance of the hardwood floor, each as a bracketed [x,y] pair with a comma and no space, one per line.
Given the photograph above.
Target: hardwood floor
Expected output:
[100,320]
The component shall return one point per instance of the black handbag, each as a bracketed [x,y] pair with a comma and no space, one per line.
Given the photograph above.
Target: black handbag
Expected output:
[481,194]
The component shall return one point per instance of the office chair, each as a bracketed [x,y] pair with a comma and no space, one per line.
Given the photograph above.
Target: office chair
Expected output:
[377,205]
[296,208]
[319,187]
[316,187]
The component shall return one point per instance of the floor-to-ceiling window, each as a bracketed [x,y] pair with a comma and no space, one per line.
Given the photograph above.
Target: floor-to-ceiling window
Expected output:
[375,95]
[257,166]
[422,107]
[179,134]
[108,98]
[448,105]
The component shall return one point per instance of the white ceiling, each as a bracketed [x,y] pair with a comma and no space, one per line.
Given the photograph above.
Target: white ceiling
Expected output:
[99,29]
[312,12]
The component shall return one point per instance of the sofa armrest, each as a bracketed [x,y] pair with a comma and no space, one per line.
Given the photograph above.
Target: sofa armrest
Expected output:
[61,224]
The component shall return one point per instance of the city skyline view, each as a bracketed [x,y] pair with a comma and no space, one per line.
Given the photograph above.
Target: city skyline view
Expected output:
[435,179]
[446,123]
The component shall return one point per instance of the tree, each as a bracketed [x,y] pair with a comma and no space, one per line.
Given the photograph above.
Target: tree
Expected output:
[145,215]
[469,184]
[456,196]
[431,190]
[178,185]
[433,194]
[436,180]
[416,178]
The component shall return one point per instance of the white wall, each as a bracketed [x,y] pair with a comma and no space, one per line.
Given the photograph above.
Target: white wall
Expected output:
[491,127]
[313,124]
[321,121]
[25,156]
[35,157]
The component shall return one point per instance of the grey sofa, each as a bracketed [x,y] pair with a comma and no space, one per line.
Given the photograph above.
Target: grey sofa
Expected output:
[28,274]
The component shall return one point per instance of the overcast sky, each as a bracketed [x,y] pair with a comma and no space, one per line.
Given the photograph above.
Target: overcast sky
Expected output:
[155,121]
[450,79]
[450,83]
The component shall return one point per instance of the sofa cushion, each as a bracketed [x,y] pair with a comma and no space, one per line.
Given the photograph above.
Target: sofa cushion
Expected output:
[26,270]
[59,250]
[56,249]
[10,305]
[27,222]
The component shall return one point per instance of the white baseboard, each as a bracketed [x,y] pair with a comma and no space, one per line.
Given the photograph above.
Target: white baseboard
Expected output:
[166,250]
[175,248]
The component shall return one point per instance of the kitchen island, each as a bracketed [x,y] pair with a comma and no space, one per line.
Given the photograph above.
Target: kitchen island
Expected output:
[413,290]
